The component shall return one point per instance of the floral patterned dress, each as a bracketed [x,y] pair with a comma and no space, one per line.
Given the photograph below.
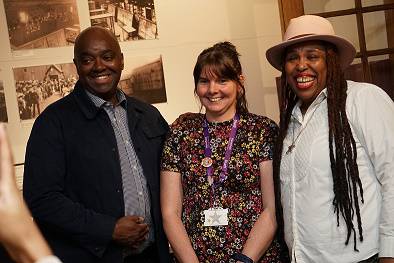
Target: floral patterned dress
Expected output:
[240,192]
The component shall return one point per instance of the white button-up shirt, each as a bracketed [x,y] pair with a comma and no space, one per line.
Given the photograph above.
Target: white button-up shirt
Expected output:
[311,230]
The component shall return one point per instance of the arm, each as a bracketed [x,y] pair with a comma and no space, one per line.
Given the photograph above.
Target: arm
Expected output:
[263,231]
[372,120]
[171,195]
[46,184]
[18,233]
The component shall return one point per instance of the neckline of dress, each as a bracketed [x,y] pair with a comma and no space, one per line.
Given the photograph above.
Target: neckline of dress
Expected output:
[221,123]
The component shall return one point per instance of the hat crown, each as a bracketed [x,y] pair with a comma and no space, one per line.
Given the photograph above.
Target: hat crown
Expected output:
[308,25]
[311,28]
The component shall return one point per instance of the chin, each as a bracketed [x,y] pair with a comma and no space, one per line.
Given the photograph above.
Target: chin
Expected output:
[103,88]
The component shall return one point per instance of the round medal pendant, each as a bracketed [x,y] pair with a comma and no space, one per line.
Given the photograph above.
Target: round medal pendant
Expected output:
[206,162]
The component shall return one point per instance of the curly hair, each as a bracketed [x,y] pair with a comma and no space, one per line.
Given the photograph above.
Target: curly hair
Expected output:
[347,185]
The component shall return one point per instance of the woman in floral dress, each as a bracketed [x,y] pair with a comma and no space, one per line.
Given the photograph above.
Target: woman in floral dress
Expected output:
[217,192]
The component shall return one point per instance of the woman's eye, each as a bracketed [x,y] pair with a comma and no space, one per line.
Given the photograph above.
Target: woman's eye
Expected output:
[222,81]
[291,58]
[202,81]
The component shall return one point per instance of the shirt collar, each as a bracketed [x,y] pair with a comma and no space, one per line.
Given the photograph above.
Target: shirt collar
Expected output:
[297,114]
[99,102]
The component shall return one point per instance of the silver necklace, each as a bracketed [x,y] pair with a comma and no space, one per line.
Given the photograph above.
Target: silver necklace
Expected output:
[294,140]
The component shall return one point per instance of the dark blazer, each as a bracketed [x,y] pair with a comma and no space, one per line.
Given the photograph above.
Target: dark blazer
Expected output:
[72,177]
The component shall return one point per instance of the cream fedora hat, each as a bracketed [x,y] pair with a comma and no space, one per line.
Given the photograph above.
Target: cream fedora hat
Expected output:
[306,28]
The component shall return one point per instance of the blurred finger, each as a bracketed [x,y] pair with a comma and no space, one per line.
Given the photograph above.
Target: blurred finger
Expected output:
[6,160]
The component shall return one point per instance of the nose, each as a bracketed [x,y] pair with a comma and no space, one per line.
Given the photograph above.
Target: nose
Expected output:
[302,64]
[212,87]
[98,65]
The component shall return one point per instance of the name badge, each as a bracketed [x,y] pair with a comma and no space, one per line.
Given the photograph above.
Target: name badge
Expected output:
[216,217]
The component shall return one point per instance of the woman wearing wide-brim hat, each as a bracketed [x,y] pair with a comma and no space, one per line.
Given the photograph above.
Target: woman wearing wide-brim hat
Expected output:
[334,158]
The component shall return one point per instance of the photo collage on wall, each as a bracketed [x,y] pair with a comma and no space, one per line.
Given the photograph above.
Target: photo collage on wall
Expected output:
[48,25]
[39,86]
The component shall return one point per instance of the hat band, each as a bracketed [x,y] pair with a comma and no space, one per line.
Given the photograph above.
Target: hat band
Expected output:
[299,36]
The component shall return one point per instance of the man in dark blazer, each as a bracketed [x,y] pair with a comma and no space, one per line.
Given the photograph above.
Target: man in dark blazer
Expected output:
[91,176]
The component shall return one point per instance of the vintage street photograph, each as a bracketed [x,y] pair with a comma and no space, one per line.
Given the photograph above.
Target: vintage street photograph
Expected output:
[39,86]
[143,78]
[128,19]
[36,24]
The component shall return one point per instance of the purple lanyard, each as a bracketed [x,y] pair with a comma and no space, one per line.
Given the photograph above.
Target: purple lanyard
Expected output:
[208,151]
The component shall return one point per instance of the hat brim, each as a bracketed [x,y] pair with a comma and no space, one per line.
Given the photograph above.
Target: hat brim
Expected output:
[346,50]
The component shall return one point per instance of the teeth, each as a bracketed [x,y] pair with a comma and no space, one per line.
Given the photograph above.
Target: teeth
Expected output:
[214,99]
[304,79]
[102,77]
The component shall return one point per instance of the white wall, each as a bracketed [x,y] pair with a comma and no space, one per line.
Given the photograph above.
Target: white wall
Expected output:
[185,29]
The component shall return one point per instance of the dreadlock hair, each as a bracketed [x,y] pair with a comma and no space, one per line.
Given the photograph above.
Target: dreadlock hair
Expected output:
[222,61]
[347,185]
[287,100]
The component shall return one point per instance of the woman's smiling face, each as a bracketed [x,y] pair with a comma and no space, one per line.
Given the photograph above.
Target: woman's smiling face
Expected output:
[217,95]
[306,70]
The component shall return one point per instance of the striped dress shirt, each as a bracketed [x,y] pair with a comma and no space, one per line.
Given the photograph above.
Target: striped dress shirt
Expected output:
[135,189]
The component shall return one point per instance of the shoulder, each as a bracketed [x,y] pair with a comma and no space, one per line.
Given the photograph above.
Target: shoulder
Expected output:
[361,95]
[258,121]
[59,109]
[358,90]
[150,114]
[54,120]
[143,107]
[186,120]
[357,87]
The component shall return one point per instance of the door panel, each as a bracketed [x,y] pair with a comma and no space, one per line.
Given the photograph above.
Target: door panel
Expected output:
[319,6]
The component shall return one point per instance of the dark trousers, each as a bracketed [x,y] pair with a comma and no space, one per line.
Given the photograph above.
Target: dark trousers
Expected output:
[149,255]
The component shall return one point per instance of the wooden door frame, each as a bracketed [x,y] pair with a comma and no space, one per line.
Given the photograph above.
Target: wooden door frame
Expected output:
[288,10]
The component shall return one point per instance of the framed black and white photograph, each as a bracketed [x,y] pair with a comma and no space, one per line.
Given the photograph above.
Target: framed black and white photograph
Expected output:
[36,24]
[39,86]
[144,79]
[3,107]
[128,19]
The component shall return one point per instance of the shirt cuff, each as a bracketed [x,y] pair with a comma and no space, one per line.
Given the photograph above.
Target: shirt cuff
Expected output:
[386,247]
[49,259]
